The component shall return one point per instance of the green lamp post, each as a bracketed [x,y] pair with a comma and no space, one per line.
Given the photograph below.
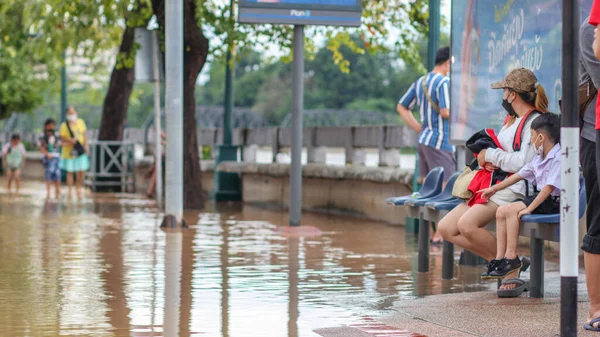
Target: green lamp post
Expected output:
[227,185]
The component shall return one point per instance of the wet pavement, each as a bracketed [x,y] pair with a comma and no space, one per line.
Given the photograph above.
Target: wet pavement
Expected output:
[102,267]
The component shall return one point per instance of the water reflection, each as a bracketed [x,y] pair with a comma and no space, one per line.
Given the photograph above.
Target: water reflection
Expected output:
[173,255]
[293,267]
[225,282]
[102,267]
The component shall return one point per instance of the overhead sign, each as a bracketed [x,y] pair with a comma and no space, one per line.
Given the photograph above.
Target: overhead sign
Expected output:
[301,12]
[492,37]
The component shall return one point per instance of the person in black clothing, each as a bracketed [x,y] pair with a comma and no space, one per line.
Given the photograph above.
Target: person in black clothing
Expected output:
[590,70]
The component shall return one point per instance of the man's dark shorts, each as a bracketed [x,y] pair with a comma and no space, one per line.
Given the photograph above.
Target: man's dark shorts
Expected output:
[430,157]
[590,163]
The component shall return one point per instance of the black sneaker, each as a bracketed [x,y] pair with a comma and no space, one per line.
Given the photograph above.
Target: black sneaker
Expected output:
[506,267]
[491,266]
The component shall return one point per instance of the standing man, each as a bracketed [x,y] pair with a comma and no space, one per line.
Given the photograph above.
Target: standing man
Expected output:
[431,93]
[590,75]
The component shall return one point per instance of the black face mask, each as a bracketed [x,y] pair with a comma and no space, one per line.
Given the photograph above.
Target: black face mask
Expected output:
[51,131]
[509,108]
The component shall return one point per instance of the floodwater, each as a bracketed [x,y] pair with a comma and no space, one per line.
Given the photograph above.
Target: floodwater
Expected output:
[102,267]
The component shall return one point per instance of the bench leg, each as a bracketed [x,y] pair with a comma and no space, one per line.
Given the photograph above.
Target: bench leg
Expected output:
[448,261]
[536,282]
[470,259]
[423,245]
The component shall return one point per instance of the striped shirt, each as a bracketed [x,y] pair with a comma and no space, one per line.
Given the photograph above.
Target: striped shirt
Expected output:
[435,128]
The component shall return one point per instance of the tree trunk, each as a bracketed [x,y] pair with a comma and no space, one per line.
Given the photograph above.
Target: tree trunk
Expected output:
[116,101]
[196,51]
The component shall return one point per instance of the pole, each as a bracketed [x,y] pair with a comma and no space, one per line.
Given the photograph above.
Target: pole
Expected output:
[433,41]
[174,110]
[63,89]
[297,111]
[228,87]
[569,224]
[157,121]
[227,185]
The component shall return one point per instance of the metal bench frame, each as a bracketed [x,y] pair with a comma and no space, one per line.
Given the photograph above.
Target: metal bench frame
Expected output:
[537,232]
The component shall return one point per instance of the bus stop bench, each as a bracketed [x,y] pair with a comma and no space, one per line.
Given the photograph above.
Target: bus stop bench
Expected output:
[538,228]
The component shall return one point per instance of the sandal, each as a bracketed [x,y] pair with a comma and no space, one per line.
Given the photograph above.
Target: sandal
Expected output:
[522,286]
[590,326]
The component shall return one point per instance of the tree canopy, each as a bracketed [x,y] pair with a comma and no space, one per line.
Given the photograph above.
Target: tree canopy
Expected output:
[34,35]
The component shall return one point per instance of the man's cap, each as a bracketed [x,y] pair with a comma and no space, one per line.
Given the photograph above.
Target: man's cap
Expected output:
[520,80]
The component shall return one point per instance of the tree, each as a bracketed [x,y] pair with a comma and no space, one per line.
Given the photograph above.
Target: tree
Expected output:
[116,102]
[34,34]
[196,52]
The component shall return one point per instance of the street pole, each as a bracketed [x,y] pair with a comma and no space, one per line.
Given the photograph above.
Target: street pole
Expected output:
[297,111]
[174,113]
[63,89]
[157,121]
[569,215]
[433,41]
[227,185]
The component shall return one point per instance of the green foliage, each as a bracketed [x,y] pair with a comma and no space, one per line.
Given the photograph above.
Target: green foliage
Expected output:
[206,152]
[374,82]
[372,104]
[405,21]
[34,34]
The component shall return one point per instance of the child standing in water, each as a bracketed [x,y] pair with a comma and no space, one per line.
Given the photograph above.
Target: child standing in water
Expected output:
[13,157]
[49,144]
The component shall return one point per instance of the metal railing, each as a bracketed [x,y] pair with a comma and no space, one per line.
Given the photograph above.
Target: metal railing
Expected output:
[384,138]
[112,164]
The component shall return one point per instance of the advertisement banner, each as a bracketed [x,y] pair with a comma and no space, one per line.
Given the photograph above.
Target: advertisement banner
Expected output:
[489,39]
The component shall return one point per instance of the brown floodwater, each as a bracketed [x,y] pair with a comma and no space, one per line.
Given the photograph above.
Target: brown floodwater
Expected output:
[102,267]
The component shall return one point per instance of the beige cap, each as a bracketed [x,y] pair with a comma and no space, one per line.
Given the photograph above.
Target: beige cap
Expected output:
[520,80]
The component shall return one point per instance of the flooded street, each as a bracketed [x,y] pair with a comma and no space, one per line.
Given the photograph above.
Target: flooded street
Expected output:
[102,267]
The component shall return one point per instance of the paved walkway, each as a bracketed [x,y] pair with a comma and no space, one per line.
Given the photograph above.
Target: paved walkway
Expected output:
[475,314]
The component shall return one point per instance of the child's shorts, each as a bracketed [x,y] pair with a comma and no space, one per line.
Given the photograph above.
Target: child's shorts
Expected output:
[549,206]
[52,169]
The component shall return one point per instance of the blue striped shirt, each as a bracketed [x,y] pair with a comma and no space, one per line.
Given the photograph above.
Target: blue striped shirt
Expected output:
[435,128]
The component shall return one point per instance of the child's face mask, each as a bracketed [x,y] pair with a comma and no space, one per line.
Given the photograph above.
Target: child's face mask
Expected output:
[539,150]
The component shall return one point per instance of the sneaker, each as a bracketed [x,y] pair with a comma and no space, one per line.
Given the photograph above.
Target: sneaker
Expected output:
[491,266]
[506,267]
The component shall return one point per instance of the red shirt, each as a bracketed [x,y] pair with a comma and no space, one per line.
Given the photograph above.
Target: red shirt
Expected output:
[595,13]
[598,114]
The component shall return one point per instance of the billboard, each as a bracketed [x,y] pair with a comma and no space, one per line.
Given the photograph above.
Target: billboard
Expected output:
[490,38]
[301,12]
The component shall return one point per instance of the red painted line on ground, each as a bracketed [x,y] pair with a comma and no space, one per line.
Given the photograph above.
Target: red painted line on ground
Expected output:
[378,329]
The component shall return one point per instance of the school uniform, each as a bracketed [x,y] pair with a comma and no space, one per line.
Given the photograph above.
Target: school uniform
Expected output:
[542,172]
